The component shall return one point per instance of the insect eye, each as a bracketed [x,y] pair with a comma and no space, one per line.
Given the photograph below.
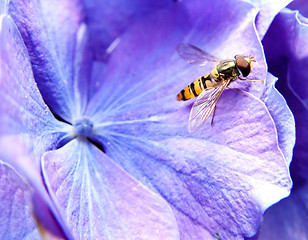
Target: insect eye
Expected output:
[243,66]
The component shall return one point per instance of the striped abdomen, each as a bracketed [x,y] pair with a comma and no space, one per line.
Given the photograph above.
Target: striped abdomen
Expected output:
[195,88]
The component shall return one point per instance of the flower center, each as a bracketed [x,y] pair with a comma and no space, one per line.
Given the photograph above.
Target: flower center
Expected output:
[83,127]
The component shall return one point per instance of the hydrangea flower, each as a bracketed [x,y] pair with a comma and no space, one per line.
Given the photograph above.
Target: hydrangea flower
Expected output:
[109,138]
[286,51]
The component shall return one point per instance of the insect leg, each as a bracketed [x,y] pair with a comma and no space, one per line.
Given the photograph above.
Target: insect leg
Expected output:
[251,80]
[244,95]
[212,122]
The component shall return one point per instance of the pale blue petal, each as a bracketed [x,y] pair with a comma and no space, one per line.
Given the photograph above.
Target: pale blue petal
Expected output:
[100,199]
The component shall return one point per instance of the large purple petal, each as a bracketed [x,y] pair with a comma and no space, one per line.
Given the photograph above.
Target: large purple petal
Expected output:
[228,170]
[107,20]
[146,62]
[100,199]
[220,179]
[52,33]
[22,110]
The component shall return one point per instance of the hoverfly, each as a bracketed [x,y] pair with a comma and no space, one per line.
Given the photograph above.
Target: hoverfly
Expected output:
[209,87]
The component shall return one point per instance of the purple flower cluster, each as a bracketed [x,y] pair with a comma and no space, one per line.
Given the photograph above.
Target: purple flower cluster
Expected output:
[94,144]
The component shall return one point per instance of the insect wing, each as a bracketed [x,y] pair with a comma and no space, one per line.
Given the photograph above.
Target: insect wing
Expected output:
[194,55]
[204,105]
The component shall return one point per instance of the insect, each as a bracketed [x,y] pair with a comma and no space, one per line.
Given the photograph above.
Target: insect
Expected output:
[209,87]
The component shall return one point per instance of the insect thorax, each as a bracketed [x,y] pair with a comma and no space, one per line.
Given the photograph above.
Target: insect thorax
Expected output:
[225,70]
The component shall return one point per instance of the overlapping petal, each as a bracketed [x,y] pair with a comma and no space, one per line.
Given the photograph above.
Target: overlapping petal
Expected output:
[268,11]
[22,109]
[23,186]
[3,7]
[50,32]
[16,217]
[221,179]
[286,56]
[300,5]
[101,200]
[290,44]
[282,116]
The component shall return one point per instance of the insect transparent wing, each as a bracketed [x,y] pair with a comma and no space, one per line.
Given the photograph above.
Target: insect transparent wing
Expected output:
[194,55]
[204,105]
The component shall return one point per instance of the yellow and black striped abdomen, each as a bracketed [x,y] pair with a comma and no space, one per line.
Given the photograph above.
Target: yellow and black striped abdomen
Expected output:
[195,88]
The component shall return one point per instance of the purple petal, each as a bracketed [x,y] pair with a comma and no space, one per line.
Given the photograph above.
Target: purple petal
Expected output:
[107,20]
[221,179]
[100,199]
[301,6]
[21,213]
[190,229]
[283,118]
[22,109]
[45,219]
[145,63]
[284,49]
[14,153]
[288,219]
[291,43]
[234,168]
[283,45]
[299,167]
[4,7]
[298,46]
[16,216]
[51,33]
[268,11]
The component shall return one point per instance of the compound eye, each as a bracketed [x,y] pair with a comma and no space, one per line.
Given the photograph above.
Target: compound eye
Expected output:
[243,65]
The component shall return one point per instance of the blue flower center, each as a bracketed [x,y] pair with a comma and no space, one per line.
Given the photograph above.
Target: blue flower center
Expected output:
[83,127]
